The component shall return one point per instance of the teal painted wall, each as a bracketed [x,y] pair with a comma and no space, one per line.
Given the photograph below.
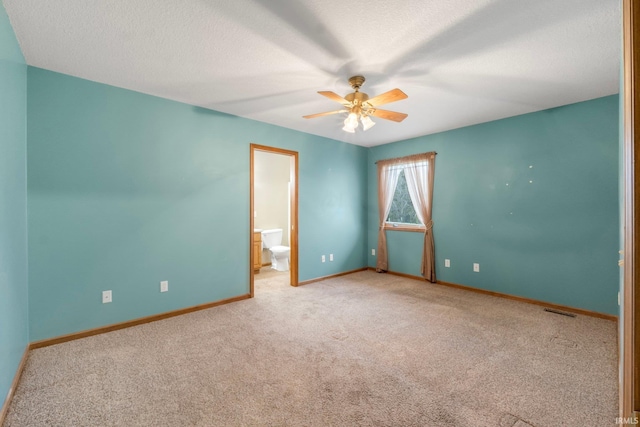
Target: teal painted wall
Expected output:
[554,239]
[126,190]
[13,206]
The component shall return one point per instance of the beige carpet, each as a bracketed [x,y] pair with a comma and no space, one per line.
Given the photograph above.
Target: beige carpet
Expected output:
[365,349]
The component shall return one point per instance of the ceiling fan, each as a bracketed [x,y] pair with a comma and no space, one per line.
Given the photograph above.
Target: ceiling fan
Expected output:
[360,106]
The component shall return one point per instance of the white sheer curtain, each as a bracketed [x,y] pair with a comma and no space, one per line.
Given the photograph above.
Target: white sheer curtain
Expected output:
[388,173]
[419,171]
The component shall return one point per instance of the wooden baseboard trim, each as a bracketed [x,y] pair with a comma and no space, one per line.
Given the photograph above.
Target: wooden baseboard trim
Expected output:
[134,322]
[513,297]
[331,276]
[395,273]
[534,301]
[14,385]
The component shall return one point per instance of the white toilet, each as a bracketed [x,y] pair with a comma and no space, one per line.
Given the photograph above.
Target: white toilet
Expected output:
[272,239]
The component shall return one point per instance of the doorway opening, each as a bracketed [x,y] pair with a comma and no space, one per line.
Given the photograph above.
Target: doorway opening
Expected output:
[273,206]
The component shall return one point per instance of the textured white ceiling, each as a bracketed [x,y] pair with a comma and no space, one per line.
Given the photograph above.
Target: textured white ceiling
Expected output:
[460,61]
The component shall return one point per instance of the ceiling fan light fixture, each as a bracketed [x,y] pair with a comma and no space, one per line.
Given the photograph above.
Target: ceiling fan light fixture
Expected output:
[351,123]
[351,120]
[360,107]
[367,123]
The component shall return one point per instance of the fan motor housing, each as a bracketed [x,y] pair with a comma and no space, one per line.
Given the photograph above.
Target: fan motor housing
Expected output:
[357,98]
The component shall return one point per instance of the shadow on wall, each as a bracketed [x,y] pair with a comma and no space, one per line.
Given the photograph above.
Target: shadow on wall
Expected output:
[215,113]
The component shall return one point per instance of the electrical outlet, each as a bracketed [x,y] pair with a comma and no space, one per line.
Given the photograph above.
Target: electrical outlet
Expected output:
[476,267]
[164,286]
[106,297]
[373,252]
[447,263]
[323,258]
[330,257]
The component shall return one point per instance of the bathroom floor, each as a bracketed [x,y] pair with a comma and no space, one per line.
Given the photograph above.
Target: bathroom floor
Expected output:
[268,278]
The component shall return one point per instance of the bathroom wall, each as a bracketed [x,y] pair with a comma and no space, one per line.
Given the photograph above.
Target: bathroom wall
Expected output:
[14,321]
[271,192]
[127,189]
[533,199]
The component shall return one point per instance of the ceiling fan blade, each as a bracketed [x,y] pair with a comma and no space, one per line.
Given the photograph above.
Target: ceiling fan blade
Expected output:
[387,97]
[388,115]
[312,116]
[334,97]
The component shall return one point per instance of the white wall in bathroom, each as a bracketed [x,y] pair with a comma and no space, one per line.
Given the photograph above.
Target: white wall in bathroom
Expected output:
[271,192]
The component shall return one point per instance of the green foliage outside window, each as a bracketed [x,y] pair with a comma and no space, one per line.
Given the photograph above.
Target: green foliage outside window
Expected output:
[401,208]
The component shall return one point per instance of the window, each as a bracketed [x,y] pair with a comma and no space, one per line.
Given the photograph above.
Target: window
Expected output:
[402,210]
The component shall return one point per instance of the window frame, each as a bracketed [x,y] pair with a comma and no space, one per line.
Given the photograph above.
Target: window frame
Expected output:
[403,226]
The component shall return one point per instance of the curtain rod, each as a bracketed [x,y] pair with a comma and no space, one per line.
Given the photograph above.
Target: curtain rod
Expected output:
[410,155]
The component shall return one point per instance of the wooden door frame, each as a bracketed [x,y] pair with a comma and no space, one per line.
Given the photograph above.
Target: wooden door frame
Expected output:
[293,228]
[630,328]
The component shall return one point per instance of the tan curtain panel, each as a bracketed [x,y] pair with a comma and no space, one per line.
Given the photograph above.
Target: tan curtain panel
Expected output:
[419,173]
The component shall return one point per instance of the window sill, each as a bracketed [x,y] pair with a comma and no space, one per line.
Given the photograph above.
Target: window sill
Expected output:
[404,227]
